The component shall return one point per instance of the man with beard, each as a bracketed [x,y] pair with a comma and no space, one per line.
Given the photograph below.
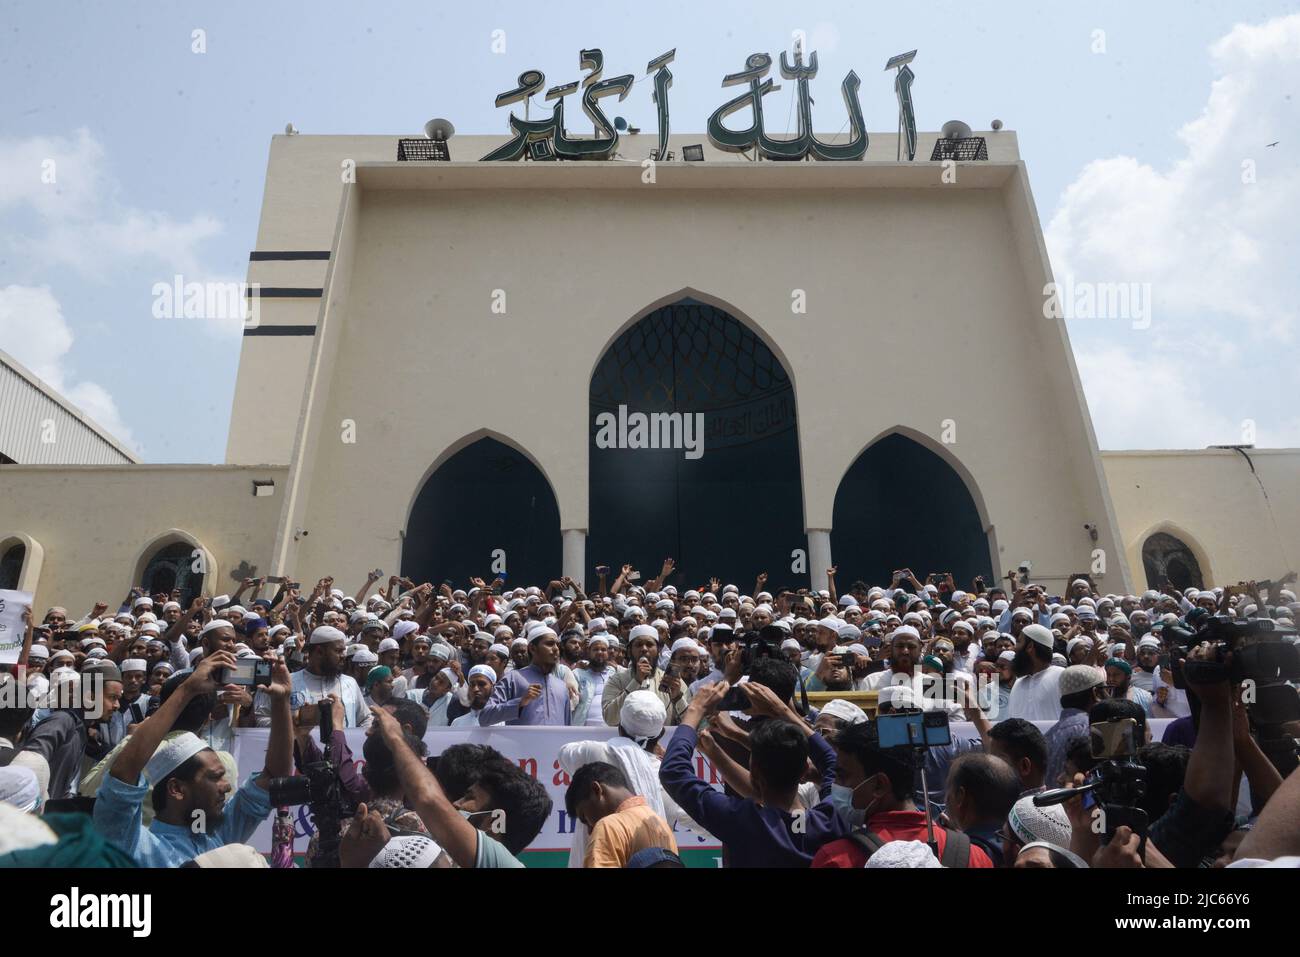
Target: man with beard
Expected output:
[571,640]
[134,704]
[520,656]
[684,657]
[1119,675]
[722,642]
[1036,695]
[420,647]
[256,634]
[642,675]
[480,683]
[65,737]
[904,654]
[187,781]
[323,675]
[532,694]
[591,682]
[833,672]
[1145,675]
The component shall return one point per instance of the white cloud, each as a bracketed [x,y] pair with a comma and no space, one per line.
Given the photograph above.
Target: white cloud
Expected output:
[62,215]
[1139,403]
[81,220]
[1215,248]
[61,178]
[1133,402]
[1219,253]
[36,334]
[95,248]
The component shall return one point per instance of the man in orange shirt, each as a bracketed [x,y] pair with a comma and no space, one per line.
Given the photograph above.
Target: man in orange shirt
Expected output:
[619,820]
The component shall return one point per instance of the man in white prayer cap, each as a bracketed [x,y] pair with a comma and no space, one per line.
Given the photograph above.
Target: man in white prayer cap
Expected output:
[194,812]
[480,681]
[133,705]
[1036,695]
[323,675]
[642,675]
[640,726]
[532,694]
[591,681]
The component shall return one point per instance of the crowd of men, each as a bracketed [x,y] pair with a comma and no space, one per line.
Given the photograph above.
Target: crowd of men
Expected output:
[116,728]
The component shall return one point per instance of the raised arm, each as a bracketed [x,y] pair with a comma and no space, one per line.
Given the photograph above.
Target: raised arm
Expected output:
[733,773]
[279,746]
[425,796]
[657,582]
[149,733]
[29,633]
[364,590]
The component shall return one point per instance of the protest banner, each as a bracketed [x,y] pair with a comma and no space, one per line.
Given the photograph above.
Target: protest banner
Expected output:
[12,629]
[536,750]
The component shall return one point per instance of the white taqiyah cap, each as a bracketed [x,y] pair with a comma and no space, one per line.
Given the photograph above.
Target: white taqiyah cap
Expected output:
[171,754]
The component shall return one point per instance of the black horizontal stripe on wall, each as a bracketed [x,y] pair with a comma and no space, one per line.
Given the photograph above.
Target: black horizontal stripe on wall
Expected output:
[287,255]
[280,331]
[284,292]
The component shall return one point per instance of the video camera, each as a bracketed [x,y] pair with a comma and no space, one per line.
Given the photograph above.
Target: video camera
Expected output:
[1252,650]
[319,787]
[1118,783]
[755,645]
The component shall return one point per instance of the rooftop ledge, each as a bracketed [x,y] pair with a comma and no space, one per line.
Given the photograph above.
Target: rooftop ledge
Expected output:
[711,174]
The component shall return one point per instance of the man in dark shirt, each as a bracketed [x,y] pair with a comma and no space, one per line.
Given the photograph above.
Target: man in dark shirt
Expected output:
[773,829]
[64,738]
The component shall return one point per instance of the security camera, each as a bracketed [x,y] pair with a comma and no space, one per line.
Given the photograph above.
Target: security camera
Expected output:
[1089,526]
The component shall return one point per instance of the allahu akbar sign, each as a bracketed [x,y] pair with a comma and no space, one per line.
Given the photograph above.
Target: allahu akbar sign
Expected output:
[548,139]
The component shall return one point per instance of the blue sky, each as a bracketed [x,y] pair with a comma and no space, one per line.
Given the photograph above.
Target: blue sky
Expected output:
[1135,154]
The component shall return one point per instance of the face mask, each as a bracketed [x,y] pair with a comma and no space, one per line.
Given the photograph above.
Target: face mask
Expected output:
[842,800]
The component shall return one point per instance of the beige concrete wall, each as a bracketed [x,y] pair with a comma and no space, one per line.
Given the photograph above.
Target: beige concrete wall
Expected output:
[305,177]
[1211,500]
[96,524]
[891,261]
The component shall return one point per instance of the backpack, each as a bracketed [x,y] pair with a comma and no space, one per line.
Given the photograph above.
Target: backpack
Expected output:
[956,849]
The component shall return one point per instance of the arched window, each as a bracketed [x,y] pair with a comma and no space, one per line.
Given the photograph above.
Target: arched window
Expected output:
[11,565]
[174,567]
[1167,558]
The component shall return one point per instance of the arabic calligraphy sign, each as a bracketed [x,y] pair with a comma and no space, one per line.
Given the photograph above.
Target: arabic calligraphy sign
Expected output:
[804,144]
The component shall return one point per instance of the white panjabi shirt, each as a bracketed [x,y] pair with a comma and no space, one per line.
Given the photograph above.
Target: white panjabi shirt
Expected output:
[1037,697]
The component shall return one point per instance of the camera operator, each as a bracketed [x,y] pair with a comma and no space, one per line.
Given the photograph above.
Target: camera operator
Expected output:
[877,804]
[773,829]
[1200,814]
[189,785]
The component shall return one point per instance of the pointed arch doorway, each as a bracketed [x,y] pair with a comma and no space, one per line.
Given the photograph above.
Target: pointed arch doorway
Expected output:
[694,450]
